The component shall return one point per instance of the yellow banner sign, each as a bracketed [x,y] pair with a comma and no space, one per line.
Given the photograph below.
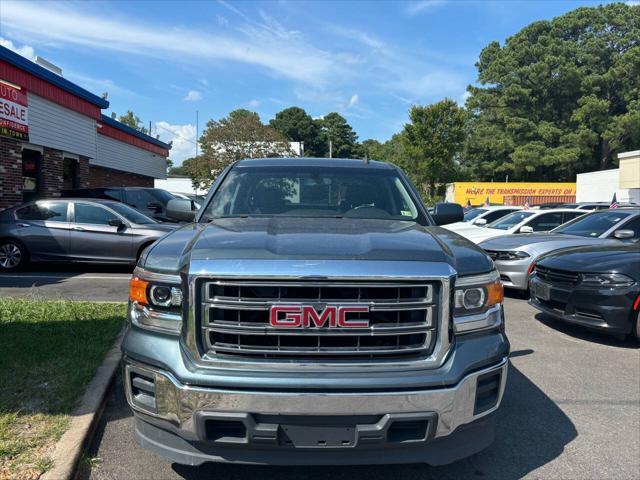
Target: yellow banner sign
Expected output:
[477,192]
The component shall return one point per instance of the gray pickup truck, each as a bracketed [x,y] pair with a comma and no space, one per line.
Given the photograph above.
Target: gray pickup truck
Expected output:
[314,313]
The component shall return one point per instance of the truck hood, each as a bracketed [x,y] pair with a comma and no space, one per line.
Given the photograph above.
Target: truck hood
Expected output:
[288,238]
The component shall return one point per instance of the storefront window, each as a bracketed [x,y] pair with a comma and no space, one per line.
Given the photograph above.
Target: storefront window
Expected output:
[31,161]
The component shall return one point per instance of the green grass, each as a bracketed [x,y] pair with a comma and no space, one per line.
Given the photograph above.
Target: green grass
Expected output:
[49,351]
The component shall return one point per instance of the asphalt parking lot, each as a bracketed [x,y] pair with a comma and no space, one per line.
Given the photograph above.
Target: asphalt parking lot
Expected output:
[571,410]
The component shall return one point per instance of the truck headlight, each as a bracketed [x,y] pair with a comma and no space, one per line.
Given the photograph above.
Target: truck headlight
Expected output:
[606,280]
[155,305]
[478,302]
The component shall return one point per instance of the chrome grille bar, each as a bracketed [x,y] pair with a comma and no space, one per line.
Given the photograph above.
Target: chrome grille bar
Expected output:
[234,319]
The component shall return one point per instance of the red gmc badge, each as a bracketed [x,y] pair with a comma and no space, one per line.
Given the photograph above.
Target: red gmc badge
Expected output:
[305,316]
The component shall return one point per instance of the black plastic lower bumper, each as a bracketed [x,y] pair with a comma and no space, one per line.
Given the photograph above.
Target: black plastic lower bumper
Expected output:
[399,446]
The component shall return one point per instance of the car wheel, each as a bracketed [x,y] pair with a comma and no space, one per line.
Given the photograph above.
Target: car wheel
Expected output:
[636,327]
[13,255]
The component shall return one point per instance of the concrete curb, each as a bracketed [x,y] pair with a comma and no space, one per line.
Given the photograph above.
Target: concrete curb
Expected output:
[84,418]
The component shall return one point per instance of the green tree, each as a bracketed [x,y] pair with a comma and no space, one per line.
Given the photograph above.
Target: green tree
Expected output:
[432,142]
[239,135]
[558,98]
[132,120]
[334,128]
[298,126]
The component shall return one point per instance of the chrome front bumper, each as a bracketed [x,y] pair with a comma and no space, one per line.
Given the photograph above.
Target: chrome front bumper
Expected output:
[180,408]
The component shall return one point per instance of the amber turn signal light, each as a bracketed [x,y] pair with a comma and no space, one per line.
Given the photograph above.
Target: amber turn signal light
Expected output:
[495,293]
[138,291]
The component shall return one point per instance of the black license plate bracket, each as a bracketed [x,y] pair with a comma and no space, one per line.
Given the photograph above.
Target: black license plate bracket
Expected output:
[318,436]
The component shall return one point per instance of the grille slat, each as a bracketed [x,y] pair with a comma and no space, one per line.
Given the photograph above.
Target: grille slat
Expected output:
[557,276]
[235,319]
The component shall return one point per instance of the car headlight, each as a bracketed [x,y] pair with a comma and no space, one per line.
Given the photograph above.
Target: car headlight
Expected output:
[155,305]
[606,280]
[515,255]
[478,302]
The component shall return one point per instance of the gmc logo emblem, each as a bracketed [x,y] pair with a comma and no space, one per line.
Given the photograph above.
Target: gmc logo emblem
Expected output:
[305,316]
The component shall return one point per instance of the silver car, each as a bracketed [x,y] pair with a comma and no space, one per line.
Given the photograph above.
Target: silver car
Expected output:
[75,230]
[515,255]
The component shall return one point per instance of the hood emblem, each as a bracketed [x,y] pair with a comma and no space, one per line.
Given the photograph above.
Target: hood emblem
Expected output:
[318,316]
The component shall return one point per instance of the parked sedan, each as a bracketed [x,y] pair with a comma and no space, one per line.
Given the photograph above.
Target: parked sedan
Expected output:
[522,221]
[514,255]
[75,230]
[596,287]
[152,202]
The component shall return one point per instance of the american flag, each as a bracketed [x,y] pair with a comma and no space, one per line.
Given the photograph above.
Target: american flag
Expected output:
[526,205]
[468,205]
[614,202]
[486,201]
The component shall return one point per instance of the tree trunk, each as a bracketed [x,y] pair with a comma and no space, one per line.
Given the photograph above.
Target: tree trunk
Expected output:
[605,153]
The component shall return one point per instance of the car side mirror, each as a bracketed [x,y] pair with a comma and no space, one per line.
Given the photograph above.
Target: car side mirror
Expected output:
[526,229]
[480,222]
[116,222]
[445,213]
[624,234]
[181,210]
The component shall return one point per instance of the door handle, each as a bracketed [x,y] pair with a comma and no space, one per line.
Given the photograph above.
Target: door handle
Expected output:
[78,229]
[23,225]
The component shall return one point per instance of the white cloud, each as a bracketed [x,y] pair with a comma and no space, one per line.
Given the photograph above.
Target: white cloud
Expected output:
[254,103]
[183,138]
[25,50]
[353,100]
[193,96]
[266,44]
[99,85]
[463,98]
[414,8]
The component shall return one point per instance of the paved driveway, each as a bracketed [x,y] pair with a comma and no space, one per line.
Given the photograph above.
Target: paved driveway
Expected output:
[571,410]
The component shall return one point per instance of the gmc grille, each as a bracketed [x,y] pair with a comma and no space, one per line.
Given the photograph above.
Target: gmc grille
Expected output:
[403,317]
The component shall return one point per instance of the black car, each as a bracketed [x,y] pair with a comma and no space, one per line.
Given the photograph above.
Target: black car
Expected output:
[597,287]
[150,201]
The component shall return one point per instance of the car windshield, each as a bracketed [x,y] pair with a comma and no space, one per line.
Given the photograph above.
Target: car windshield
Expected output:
[473,213]
[131,214]
[312,192]
[511,220]
[593,225]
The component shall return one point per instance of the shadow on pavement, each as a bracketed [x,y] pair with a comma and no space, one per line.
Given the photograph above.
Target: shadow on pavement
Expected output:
[532,431]
[581,333]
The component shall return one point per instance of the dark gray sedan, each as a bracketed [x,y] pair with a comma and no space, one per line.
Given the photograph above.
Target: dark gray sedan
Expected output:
[75,230]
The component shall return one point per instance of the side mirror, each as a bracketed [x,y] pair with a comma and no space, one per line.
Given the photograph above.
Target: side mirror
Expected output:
[624,234]
[446,213]
[116,222]
[480,222]
[526,229]
[181,210]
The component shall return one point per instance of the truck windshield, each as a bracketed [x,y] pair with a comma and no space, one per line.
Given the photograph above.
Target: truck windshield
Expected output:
[312,192]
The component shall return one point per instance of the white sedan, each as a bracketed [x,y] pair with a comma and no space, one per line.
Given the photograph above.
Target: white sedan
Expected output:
[523,221]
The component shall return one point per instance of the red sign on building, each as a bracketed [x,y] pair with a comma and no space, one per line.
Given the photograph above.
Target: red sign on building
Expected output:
[13,112]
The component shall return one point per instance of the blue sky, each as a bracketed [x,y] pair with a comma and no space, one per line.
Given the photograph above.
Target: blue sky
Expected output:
[367,61]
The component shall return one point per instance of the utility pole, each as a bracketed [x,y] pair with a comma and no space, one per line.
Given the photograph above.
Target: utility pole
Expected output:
[196,159]
[330,149]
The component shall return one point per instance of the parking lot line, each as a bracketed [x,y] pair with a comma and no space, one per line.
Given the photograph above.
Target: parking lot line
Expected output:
[72,276]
